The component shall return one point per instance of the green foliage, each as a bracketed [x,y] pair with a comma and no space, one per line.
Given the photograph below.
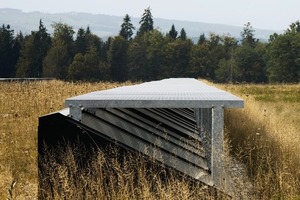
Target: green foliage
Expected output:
[146,56]
[248,35]
[60,54]
[8,51]
[227,71]
[150,55]
[146,22]
[250,64]
[127,28]
[284,58]
[273,93]
[117,57]
[182,35]
[85,67]
[294,28]
[177,58]
[173,33]
[56,62]
[80,42]
[199,61]
[202,39]
[30,63]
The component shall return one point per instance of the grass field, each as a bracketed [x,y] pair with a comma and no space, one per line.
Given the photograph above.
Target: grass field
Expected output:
[265,135]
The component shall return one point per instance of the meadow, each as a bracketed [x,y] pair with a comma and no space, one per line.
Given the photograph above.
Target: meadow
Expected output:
[264,136]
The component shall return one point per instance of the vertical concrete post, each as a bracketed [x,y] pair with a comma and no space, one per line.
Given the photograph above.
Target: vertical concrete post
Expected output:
[75,112]
[217,153]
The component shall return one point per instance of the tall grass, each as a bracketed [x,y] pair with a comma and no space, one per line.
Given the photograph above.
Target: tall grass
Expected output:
[110,174]
[21,104]
[265,135]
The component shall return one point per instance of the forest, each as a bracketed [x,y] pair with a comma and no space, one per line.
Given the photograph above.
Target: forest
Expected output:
[144,53]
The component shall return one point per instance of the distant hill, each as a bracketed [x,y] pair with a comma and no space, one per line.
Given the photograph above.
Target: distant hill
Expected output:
[106,25]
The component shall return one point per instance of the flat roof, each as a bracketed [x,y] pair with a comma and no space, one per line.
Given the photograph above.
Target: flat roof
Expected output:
[167,93]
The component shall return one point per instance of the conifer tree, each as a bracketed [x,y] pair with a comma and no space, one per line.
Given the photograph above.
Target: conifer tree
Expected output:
[202,39]
[117,56]
[248,35]
[7,58]
[146,22]
[127,28]
[173,33]
[182,35]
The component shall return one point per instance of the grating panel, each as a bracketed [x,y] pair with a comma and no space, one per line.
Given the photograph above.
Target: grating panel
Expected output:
[167,93]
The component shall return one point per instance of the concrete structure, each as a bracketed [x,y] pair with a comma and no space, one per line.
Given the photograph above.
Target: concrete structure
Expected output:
[178,122]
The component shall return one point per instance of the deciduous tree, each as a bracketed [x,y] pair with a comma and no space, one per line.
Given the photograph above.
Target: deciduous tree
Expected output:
[60,54]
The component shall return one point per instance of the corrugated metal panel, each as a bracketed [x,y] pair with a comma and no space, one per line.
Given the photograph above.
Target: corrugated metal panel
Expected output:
[138,129]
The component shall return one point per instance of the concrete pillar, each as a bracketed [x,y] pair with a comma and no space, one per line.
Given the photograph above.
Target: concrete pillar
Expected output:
[217,148]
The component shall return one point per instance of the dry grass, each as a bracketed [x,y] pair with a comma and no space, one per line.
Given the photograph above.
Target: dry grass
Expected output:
[21,104]
[265,135]
[110,174]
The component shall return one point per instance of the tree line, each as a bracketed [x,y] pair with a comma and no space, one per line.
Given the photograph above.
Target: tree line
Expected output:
[145,54]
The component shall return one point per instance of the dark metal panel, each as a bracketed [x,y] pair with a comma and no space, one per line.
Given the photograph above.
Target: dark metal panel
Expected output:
[141,133]
[176,118]
[184,132]
[158,132]
[149,149]
[157,125]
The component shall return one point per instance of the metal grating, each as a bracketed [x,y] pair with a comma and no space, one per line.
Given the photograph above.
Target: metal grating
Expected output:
[167,93]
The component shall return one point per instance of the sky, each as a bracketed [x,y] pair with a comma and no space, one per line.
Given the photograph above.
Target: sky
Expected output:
[262,14]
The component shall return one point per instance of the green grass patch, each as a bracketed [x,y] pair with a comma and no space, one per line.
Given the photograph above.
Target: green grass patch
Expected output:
[272,93]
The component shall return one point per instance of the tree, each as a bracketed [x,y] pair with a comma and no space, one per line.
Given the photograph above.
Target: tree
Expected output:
[284,60]
[199,61]
[294,28]
[127,28]
[117,56]
[146,56]
[177,57]
[85,67]
[27,63]
[173,33]
[137,58]
[250,63]
[202,39]
[44,45]
[60,54]
[248,35]
[146,23]
[8,54]
[182,35]
[227,71]
[56,63]
[36,46]
[94,42]
[80,42]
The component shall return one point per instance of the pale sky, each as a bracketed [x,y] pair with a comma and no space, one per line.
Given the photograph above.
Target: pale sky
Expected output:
[264,14]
